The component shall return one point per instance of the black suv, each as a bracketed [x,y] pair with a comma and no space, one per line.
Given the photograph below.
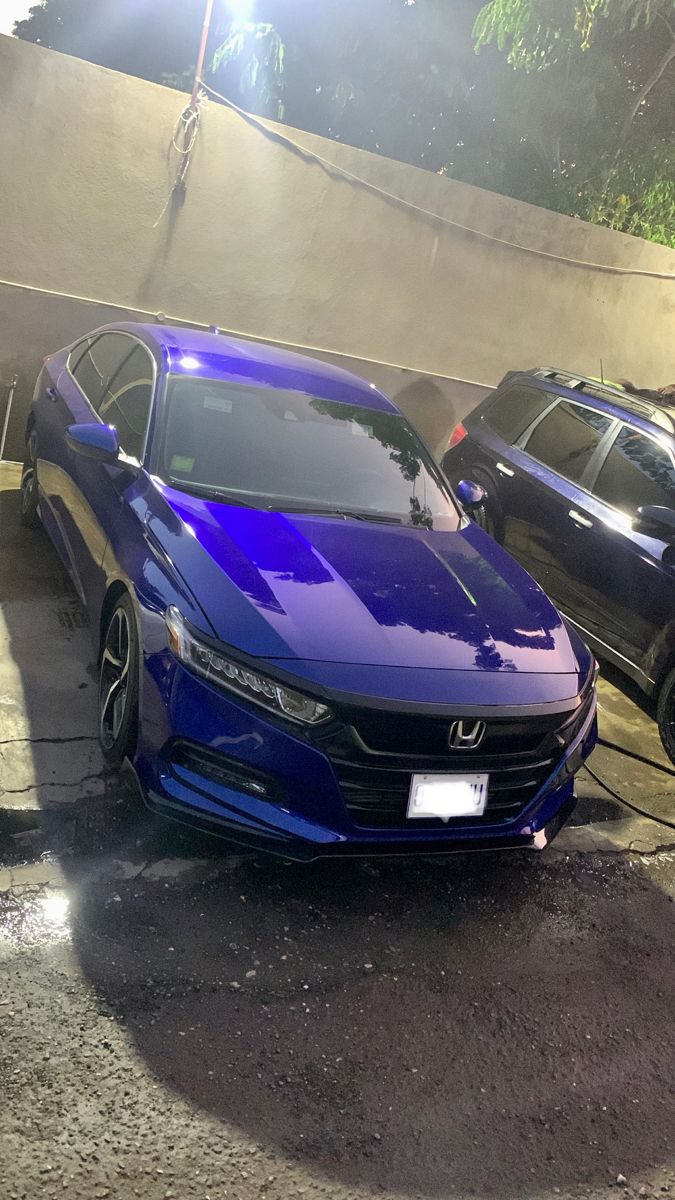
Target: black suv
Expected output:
[580,487]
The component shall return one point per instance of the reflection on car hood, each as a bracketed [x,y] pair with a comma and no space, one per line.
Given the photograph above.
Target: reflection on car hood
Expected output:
[317,588]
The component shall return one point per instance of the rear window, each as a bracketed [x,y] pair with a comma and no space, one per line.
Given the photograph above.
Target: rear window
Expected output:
[514,410]
[567,437]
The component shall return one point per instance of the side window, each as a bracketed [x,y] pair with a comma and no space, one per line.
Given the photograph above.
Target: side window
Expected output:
[77,353]
[637,471]
[103,358]
[510,413]
[127,399]
[567,437]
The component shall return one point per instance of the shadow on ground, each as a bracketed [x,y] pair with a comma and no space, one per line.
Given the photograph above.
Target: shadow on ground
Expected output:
[492,1026]
[487,1026]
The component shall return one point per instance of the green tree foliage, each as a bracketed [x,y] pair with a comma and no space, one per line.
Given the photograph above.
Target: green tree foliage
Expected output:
[569,104]
[616,57]
[539,32]
[150,38]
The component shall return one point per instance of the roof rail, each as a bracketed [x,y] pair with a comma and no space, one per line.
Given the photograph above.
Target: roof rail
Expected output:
[662,415]
[574,380]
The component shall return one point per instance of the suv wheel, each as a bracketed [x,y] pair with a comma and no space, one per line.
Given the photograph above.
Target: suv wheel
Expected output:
[665,714]
[489,515]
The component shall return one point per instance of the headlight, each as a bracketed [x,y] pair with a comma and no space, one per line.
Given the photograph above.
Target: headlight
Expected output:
[224,672]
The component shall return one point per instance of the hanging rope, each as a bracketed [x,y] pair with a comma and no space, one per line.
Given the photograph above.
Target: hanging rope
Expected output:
[188,122]
[275,134]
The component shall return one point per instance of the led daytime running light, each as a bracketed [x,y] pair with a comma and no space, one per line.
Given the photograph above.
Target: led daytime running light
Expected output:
[224,672]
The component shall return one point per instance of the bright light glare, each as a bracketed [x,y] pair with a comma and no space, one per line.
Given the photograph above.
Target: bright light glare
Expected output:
[189,362]
[55,909]
[241,10]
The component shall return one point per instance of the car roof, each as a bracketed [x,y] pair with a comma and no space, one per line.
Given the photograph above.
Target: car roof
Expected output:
[611,396]
[215,355]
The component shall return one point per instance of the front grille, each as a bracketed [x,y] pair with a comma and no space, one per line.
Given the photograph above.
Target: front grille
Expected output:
[375,754]
[377,798]
[424,737]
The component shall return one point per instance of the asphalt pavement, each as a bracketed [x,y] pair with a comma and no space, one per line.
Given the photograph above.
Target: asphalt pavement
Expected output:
[179,1019]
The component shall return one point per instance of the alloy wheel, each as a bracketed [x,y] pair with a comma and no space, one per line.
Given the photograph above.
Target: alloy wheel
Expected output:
[29,479]
[114,680]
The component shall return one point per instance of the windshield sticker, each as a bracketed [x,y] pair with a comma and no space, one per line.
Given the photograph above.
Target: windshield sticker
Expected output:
[216,403]
[180,463]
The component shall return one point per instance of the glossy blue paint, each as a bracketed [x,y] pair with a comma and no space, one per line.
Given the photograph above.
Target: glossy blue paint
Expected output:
[470,495]
[382,622]
[95,441]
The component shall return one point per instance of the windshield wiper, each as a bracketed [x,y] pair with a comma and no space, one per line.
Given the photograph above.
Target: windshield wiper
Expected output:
[209,492]
[347,514]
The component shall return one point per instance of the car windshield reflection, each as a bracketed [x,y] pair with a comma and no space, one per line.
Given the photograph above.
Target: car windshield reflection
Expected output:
[289,451]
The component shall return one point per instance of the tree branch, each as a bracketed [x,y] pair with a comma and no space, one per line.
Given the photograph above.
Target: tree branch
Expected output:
[646,89]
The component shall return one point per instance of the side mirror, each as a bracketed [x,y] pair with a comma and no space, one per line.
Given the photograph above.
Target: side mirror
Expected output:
[98,442]
[654,520]
[470,495]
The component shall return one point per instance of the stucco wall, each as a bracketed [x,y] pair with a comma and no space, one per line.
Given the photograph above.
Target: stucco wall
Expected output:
[273,245]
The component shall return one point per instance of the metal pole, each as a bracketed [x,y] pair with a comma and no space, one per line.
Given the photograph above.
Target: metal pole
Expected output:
[208,13]
[10,401]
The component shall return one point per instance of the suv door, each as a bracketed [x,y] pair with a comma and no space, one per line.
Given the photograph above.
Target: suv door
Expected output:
[486,455]
[622,589]
[553,456]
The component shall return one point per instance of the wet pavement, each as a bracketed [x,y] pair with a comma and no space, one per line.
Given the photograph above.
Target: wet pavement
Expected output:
[181,1020]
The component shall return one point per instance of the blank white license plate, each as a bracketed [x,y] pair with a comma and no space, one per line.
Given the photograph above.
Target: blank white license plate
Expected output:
[448,796]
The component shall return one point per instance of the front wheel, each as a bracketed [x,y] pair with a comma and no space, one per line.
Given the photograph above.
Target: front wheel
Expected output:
[665,714]
[118,685]
[30,503]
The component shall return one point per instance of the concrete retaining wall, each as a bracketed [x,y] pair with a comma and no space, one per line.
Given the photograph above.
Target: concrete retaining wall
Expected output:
[274,245]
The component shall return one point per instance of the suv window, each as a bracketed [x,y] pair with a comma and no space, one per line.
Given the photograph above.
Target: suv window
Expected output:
[566,438]
[98,364]
[637,471]
[511,412]
[127,399]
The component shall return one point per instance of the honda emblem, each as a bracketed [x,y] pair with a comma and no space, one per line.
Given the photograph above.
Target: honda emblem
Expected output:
[466,735]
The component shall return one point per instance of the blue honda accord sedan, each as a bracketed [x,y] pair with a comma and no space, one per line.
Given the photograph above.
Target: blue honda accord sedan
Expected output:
[304,642]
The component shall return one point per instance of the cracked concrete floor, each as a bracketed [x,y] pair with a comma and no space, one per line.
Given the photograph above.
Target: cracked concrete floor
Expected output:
[180,1021]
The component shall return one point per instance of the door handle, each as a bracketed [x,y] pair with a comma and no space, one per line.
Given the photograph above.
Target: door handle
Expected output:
[579,520]
[504,470]
[52,393]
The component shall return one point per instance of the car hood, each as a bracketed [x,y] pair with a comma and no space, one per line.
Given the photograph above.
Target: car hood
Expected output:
[324,589]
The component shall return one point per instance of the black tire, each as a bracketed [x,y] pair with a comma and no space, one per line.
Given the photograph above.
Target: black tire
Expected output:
[118,685]
[30,503]
[665,714]
[488,516]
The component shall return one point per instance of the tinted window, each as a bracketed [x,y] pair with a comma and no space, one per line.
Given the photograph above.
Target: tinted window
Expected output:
[511,413]
[285,449]
[98,364]
[566,438]
[127,399]
[637,471]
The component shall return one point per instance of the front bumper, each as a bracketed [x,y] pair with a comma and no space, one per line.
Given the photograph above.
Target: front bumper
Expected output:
[279,791]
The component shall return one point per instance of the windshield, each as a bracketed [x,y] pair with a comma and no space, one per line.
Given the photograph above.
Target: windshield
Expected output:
[287,451]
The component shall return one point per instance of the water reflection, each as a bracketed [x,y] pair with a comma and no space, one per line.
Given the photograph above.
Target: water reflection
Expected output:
[31,918]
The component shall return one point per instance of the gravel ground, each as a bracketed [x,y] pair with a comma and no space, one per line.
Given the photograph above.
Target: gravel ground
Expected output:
[180,1022]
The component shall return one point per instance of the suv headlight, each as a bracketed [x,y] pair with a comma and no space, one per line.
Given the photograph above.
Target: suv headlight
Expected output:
[251,685]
